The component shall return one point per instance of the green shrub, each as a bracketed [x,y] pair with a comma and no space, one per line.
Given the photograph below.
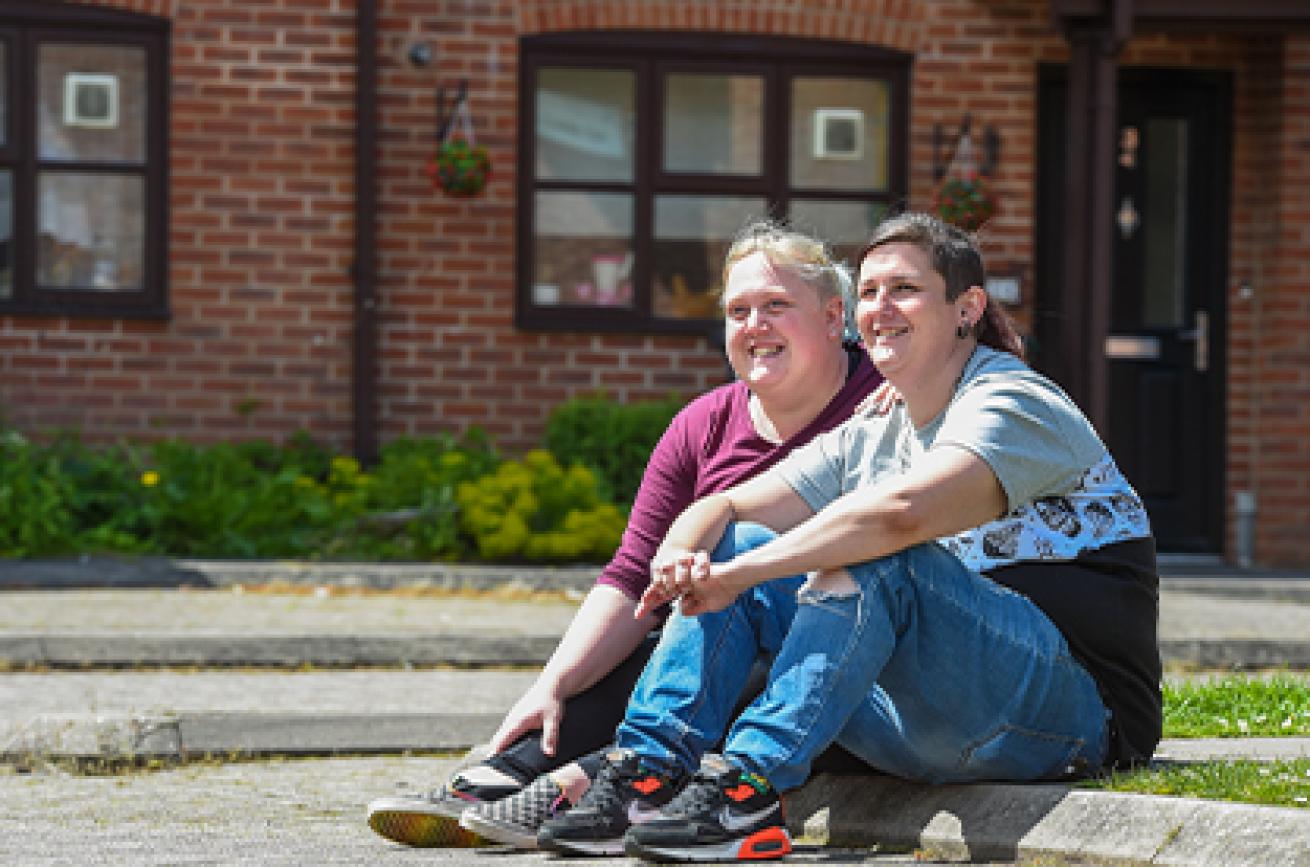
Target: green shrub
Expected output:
[535,510]
[614,439]
[250,499]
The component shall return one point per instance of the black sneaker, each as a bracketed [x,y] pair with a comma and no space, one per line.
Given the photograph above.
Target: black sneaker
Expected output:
[723,814]
[623,794]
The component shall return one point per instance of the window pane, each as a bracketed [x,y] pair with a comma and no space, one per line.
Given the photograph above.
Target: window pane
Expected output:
[586,124]
[6,234]
[692,234]
[839,134]
[90,231]
[714,123]
[846,226]
[583,250]
[91,103]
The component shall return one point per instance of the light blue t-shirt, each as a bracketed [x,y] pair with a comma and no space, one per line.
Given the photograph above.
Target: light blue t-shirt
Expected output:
[1065,495]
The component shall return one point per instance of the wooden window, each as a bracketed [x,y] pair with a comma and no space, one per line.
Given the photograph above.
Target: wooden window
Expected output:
[83,161]
[642,154]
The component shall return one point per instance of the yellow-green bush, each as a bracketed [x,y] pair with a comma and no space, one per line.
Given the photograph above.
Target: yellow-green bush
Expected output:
[536,510]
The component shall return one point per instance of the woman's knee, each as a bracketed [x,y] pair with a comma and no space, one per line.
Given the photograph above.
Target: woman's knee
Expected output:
[739,537]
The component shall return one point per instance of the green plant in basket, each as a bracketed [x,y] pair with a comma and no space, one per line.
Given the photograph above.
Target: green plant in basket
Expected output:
[460,168]
[967,202]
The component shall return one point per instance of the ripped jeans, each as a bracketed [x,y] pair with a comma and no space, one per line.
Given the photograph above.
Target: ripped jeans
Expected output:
[924,670]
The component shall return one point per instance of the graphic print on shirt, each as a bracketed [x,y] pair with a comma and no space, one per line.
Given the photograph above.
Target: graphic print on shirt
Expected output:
[1101,509]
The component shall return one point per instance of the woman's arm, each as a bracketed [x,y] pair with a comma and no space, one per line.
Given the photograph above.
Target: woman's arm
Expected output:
[949,489]
[603,633]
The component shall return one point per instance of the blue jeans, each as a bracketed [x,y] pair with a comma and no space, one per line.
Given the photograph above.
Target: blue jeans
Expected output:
[926,670]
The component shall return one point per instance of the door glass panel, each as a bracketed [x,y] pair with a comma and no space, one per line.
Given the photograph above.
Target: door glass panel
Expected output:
[692,235]
[90,231]
[4,93]
[714,123]
[91,103]
[6,234]
[586,124]
[582,254]
[1165,220]
[839,134]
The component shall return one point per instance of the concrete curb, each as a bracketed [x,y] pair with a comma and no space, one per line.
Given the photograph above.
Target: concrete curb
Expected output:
[141,572]
[60,650]
[1234,653]
[273,651]
[185,736]
[986,822]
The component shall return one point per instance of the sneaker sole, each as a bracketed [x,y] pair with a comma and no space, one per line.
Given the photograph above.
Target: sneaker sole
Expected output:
[423,830]
[764,845]
[583,847]
[499,832]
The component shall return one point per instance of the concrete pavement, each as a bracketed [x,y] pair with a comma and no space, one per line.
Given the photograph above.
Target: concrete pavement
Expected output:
[249,673]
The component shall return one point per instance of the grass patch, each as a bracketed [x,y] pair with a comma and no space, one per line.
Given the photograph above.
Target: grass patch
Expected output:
[1277,784]
[1237,706]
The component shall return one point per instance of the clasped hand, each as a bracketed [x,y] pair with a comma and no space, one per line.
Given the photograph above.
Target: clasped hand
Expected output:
[689,577]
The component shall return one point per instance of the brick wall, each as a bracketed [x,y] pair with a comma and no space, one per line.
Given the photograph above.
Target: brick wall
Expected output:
[1282,404]
[262,204]
[261,198]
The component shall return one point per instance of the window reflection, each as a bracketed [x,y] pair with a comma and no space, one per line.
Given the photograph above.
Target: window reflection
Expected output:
[583,250]
[6,235]
[90,232]
[839,132]
[714,123]
[91,103]
[692,235]
[586,122]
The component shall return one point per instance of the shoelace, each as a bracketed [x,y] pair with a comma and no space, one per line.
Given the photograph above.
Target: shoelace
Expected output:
[701,795]
[604,794]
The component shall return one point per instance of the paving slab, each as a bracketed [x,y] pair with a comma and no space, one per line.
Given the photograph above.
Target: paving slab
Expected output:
[312,811]
[329,625]
[267,813]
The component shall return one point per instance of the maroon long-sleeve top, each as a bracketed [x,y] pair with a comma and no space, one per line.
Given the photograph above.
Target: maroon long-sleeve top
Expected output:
[710,446]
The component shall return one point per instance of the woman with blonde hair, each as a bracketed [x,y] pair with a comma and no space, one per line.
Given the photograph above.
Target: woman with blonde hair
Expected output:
[783,305]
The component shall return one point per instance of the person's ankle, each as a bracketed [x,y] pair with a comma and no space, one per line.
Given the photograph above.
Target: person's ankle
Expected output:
[485,775]
[572,780]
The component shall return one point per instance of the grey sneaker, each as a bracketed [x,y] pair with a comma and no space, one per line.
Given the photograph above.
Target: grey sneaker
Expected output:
[515,820]
[432,819]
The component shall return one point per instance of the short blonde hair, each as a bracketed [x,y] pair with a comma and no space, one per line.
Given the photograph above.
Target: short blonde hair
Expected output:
[788,248]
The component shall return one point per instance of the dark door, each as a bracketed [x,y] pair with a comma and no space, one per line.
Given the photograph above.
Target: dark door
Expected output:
[1166,346]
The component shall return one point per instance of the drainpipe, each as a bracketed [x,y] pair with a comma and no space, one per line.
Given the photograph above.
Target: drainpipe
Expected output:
[364,401]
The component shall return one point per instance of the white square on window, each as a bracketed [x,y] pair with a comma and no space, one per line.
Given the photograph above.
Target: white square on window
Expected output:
[838,133]
[91,100]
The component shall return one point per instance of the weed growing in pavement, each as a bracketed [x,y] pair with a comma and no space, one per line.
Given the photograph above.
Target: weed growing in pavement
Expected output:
[1279,784]
[1238,706]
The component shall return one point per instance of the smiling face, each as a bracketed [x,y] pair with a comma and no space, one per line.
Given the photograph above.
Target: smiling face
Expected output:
[907,324]
[777,330]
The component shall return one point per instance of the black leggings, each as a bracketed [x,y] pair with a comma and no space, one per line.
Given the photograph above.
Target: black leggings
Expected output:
[592,716]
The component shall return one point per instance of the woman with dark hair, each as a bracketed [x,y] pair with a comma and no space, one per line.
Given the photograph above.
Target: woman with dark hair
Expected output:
[959,588]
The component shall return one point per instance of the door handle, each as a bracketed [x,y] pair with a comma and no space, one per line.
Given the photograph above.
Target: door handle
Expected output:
[1201,337]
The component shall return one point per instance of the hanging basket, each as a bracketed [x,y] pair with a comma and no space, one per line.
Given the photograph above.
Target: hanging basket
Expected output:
[460,168]
[967,202]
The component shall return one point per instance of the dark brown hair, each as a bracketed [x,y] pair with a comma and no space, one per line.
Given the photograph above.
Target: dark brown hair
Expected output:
[955,256]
